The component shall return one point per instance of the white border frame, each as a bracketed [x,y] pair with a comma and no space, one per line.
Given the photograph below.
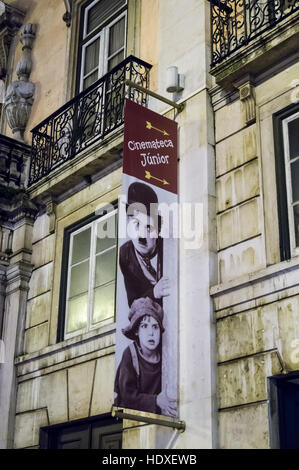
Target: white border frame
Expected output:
[104,42]
[90,292]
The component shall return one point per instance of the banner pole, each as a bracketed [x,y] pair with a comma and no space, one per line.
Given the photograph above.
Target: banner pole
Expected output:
[179,107]
[179,425]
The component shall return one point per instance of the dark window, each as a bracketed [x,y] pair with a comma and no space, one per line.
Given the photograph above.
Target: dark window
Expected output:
[93,433]
[284,411]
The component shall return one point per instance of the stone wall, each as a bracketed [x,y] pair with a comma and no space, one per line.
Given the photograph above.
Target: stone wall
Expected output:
[256,302]
[69,381]
[239,203]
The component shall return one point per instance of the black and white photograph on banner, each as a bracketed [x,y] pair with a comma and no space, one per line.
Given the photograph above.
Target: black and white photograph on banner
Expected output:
[147,296]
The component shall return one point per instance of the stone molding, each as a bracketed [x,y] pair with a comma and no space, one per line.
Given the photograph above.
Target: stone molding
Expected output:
[247,96]
[18,208]
[70,352]
[19,273]
[20,93]
[275,282]
[246,86]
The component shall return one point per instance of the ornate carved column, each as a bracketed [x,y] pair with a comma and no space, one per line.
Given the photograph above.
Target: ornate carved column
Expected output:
[20,93]
[11,19]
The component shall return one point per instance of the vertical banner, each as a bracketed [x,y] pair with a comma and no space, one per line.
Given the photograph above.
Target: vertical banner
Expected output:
[146,367]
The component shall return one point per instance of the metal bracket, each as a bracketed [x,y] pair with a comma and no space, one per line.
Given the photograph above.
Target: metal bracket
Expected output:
[67,17]
[179,425]
[131,84]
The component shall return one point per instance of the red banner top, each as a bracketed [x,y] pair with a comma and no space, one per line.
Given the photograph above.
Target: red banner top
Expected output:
[150,147]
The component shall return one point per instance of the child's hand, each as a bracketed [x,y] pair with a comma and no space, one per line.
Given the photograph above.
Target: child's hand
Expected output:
[162,288]
[168,406]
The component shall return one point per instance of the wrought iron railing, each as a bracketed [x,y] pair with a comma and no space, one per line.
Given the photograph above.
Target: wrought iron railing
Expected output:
[234,23]
[88,117]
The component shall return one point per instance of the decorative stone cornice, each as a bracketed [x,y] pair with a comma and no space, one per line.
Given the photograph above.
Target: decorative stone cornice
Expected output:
[17,208]
[24,208]
[19,272]
[51,213]
[20,93]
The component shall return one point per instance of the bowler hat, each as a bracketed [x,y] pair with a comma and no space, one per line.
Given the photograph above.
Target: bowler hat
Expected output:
[140,193]
[139,308]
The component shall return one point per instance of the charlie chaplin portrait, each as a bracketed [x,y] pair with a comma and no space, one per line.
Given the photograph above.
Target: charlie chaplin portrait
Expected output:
[141,257]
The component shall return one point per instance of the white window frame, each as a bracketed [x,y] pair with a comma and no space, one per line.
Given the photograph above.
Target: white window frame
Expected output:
[92,264]
[103,34]
[291,203]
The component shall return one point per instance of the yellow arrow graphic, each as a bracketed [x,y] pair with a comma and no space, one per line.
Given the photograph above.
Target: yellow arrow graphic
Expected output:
[150,126]
[149,176]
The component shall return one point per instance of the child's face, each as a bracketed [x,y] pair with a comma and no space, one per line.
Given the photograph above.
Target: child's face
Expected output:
[149,334]
[143,233]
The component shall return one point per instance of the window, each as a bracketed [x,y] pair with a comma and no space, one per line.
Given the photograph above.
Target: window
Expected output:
[102,43]
[291,153]
[284,411]
[93,433]
[87,296]
[286,131]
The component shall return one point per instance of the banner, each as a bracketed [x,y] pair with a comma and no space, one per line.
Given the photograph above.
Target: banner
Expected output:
[146,372]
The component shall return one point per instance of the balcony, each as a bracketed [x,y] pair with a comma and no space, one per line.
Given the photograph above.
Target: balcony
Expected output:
[89,117]
[14,157]
[244,31]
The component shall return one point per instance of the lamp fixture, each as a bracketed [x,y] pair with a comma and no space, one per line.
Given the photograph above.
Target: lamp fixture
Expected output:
[175,81]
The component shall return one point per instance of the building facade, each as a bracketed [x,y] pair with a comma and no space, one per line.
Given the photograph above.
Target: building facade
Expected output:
[63,71]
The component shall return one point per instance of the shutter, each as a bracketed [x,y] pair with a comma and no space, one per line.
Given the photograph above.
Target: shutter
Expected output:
[101,11]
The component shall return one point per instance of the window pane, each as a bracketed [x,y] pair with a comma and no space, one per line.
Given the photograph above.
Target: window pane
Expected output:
[103,303]
[79,279]
[296,223]
[295,180]
[115,61]
[90,80]
[101,11]
[105,267]
[81,246]
[117,36]
[92,56]
[106,234]
[77,313]
[294,138]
